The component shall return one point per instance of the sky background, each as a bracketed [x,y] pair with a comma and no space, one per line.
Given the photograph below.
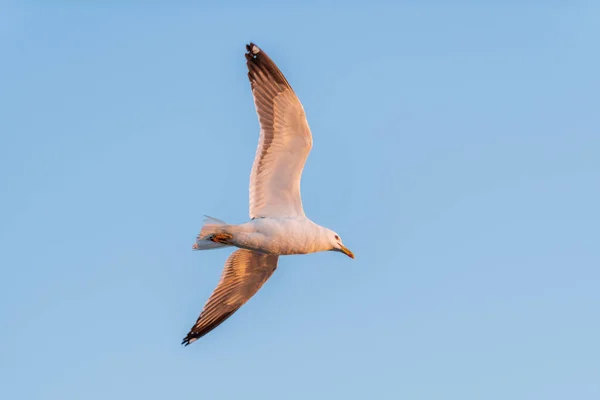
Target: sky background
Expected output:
[456,151]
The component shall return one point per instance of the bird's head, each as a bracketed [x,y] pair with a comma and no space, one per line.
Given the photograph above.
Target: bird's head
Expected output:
[336,244]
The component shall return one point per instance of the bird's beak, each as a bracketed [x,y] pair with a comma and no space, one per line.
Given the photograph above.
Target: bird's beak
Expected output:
[346,251]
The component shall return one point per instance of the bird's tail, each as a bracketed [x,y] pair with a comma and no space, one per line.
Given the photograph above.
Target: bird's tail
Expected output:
[211,226]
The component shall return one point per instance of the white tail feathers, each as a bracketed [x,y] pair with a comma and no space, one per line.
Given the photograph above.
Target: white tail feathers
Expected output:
[211,226]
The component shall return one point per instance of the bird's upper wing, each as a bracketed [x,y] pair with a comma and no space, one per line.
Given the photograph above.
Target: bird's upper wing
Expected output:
[245,272]
[284,143]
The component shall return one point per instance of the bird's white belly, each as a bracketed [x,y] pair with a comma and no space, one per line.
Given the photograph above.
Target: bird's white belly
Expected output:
[278,236]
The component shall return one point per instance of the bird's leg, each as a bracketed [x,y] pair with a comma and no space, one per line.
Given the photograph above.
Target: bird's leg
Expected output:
[222,238]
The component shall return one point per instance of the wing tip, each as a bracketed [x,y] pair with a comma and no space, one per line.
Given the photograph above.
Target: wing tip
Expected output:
[192,336]
[252,52]
[200,329]
[257,60]
[252,49]
[189,339]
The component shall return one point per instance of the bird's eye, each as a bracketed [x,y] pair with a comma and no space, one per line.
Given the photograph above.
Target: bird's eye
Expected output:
[337,237]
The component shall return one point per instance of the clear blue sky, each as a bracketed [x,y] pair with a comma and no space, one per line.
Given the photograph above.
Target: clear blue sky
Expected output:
[456,150]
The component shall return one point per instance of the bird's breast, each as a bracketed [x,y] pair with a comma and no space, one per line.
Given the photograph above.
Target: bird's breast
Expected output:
[281,236]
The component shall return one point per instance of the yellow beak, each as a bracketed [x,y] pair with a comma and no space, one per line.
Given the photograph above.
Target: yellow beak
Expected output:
[346,251]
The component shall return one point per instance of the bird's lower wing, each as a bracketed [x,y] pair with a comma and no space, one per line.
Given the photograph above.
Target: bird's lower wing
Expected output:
[244,274]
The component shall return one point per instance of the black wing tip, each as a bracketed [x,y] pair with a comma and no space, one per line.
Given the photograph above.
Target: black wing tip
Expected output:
[189,339]
[252,49]
[258,60]
[252,52]
[192,336]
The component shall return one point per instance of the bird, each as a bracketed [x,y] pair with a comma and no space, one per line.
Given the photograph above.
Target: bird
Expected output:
[278,225]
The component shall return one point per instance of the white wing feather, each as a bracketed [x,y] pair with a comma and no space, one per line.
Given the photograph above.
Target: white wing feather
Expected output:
[284,143]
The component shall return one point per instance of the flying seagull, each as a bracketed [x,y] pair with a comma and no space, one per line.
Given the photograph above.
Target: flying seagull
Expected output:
[278,225]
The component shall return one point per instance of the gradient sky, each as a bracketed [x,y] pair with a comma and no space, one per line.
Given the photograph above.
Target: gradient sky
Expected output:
[456,151]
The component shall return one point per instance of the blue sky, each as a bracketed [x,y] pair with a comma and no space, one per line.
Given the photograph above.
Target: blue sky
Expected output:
[456,150]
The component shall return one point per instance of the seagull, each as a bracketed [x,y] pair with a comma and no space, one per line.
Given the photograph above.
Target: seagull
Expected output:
[277,225]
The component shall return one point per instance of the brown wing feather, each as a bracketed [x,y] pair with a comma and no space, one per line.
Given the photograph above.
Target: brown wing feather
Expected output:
[284,143]
[244,274]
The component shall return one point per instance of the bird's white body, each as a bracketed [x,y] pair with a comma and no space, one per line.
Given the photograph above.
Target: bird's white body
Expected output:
[280,236]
